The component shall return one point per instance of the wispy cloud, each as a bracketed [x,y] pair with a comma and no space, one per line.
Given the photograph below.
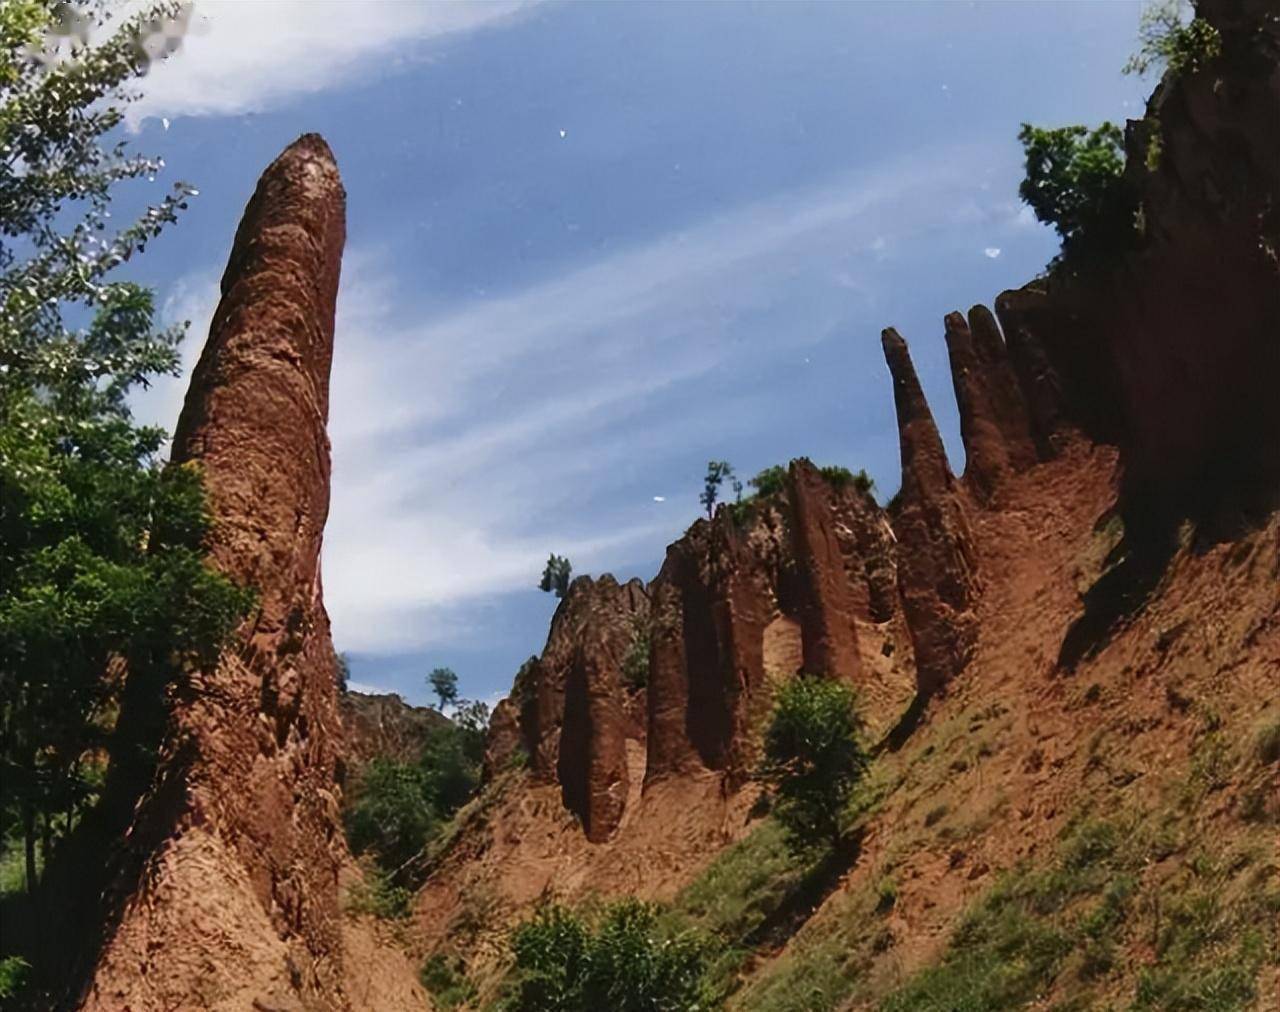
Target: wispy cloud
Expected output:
[241,56]
[471,441]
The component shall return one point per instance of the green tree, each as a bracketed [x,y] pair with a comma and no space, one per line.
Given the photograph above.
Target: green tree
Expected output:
[635,665]
[770,481]
[453,757]
[102,571]
[812,759]
[1075,182]
[444,683]
[1165,39]
[555,575]
[718,472]
[391,816]
[342,671]
[396,807]
[628,962]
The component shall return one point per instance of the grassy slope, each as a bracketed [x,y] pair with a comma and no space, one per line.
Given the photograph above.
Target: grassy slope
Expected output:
[1105,839]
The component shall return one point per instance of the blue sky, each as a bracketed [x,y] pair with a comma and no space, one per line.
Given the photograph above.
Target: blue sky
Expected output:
[593,245]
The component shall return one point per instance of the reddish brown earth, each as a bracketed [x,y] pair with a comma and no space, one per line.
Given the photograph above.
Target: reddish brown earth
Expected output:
[1016,642]
[1060,630]
[237,902]
[376,725]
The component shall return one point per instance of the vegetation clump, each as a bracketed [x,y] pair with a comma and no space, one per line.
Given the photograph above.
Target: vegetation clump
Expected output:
[398,807]
[842,477]
[102,548]
[446,980]
[812,759]
[628,959]
[1165,40]
[770,481]
[635,665]
[1075,182]
[556,575]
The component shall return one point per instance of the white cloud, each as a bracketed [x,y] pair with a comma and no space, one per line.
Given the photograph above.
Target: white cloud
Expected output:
[991,252]
[365,688]
[241,56]
[470,443]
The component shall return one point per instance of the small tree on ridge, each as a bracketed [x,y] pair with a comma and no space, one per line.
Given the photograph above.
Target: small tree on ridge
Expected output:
[444,683]
[555,575]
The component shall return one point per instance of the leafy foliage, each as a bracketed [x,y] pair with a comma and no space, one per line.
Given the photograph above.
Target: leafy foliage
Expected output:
[446,980]
[1164,40]
[840,477]
[770,481]
[397,807]
[444,683]
[773,480]
[635,665]
[555,575]
[393,814]
[812,758]
[628,962]
[1075,182]
[101,549]
[379,896]
[13,974]
[718,472]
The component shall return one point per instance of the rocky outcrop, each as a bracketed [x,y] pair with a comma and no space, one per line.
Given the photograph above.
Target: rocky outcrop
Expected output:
[236,904]
[1194,318]
[384,726]
[825,595]
[1024,313]
[574,708]
[936,566]
[1172,348]
[801,580]
[986,455]
[592,762]
[712,601]
[1008,402]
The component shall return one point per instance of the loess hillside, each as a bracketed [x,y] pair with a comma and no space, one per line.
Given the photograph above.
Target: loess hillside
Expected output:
[1066,658]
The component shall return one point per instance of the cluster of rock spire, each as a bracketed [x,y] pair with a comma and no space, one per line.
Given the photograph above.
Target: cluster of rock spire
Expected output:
[817,578]
[236,848]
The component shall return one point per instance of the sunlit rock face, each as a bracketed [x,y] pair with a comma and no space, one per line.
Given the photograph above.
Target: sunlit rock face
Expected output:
[237,903]
[936,564]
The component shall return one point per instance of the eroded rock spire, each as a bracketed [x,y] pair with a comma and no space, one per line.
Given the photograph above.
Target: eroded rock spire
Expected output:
[936,571]
[239,840]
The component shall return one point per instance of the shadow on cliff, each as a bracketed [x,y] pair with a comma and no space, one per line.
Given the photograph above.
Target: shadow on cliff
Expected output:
[807,897]
[1134,569]
[83,894]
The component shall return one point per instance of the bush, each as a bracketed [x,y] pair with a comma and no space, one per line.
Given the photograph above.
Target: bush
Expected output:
[377,895]
[770,481]
[627,962]
[446,980]
[839,477]
[13,975]
[774,479]
[1267,744]
[1075,182]
[397,807]
[392,815]
[1165,41]
[812,758]
[635,666]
